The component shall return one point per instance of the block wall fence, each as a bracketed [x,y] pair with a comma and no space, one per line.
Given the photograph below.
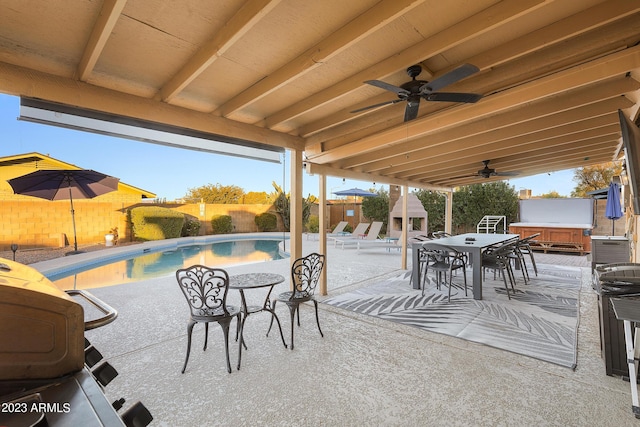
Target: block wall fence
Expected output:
[38,224]
[603,226]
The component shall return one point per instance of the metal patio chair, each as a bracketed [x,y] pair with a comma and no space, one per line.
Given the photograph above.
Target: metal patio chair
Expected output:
[205,290]
[524,246]
[422,257]
[443,259]
[498,259]
[305,274]
[440,234]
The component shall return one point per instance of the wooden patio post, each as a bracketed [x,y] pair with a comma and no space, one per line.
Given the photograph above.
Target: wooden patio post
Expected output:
[322,225]
[448,216]
[295,221]
[405,226]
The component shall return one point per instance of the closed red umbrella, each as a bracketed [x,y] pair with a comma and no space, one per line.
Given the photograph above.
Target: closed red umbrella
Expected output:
[63,185]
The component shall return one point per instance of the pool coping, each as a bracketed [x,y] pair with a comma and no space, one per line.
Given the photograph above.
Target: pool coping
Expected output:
[65,264]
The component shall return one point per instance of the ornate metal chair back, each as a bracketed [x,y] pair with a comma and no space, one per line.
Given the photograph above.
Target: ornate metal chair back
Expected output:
[205,289]
[305,275]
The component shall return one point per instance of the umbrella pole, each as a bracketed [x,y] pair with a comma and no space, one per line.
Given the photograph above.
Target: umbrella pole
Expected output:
[73,220]
[355,222]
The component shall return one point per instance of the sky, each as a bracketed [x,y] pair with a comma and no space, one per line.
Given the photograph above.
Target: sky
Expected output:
[170,172]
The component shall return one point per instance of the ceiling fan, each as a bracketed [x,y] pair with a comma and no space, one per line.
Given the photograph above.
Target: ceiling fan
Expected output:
[414,90]
[488,172]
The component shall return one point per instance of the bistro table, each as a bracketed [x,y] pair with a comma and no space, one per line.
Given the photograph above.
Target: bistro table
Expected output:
[461,243]
[246,281]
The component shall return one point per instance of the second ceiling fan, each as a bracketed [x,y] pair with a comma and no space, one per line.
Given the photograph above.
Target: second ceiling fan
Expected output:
[415,90]
[488,172]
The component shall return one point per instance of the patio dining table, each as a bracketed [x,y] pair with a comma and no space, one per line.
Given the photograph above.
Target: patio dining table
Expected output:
[470,243]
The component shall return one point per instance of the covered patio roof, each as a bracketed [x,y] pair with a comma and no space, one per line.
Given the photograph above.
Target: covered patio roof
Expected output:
[287,74]
[290,74]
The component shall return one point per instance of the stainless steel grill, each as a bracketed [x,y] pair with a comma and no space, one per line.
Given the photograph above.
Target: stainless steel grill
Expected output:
[50,375]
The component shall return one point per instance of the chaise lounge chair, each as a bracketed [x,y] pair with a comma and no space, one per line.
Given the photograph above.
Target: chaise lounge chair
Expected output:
[374,230]
[360,230]
[389,243]
[337,231]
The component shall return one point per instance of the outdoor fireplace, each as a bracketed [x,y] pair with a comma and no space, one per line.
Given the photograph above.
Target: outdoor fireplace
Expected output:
[417,218]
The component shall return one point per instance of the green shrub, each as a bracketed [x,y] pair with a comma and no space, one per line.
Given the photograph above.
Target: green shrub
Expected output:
[266,221]
[221,224]
[191,227]
[156,223]
[313,225]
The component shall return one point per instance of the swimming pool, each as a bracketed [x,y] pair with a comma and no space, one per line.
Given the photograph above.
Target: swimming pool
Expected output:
[165,262]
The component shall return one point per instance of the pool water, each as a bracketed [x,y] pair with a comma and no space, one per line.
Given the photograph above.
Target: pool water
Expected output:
[158,264]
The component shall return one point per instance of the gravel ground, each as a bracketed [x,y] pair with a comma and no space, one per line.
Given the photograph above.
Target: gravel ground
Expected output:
[30,256]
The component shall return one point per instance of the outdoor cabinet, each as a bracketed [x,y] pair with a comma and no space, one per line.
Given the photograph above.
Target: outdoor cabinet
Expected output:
[614,280]
[609,250]
[612,343]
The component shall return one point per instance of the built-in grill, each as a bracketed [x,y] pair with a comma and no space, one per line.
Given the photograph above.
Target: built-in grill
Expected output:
[50,374]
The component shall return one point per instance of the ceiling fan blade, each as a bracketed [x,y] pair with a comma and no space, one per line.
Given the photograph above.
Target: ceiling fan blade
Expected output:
[473,175]
[376,105]
[386,86]
[453,97]
[465,70]
[411,111]
[507,173]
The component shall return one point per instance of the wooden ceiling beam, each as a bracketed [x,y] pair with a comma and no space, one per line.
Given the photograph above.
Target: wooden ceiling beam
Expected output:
[587,20]
[365,24]
[240,23]
[545,166]
[588,138]
[109,14]
[577,25]
[548,139]
[315,169]
[20,81]
[567,161]
[515,160]
[474,26]
[464,147]
[576,77]
[601,41]
[548,113]
[592,147]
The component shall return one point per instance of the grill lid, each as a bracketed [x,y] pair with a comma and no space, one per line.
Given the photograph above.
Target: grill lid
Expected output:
[42,327]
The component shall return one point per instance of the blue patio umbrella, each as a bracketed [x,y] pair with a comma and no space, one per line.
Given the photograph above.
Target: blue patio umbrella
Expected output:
[613,210]
[355,192]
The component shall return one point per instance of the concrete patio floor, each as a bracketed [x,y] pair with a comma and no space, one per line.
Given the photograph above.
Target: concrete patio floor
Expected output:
[365,371]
